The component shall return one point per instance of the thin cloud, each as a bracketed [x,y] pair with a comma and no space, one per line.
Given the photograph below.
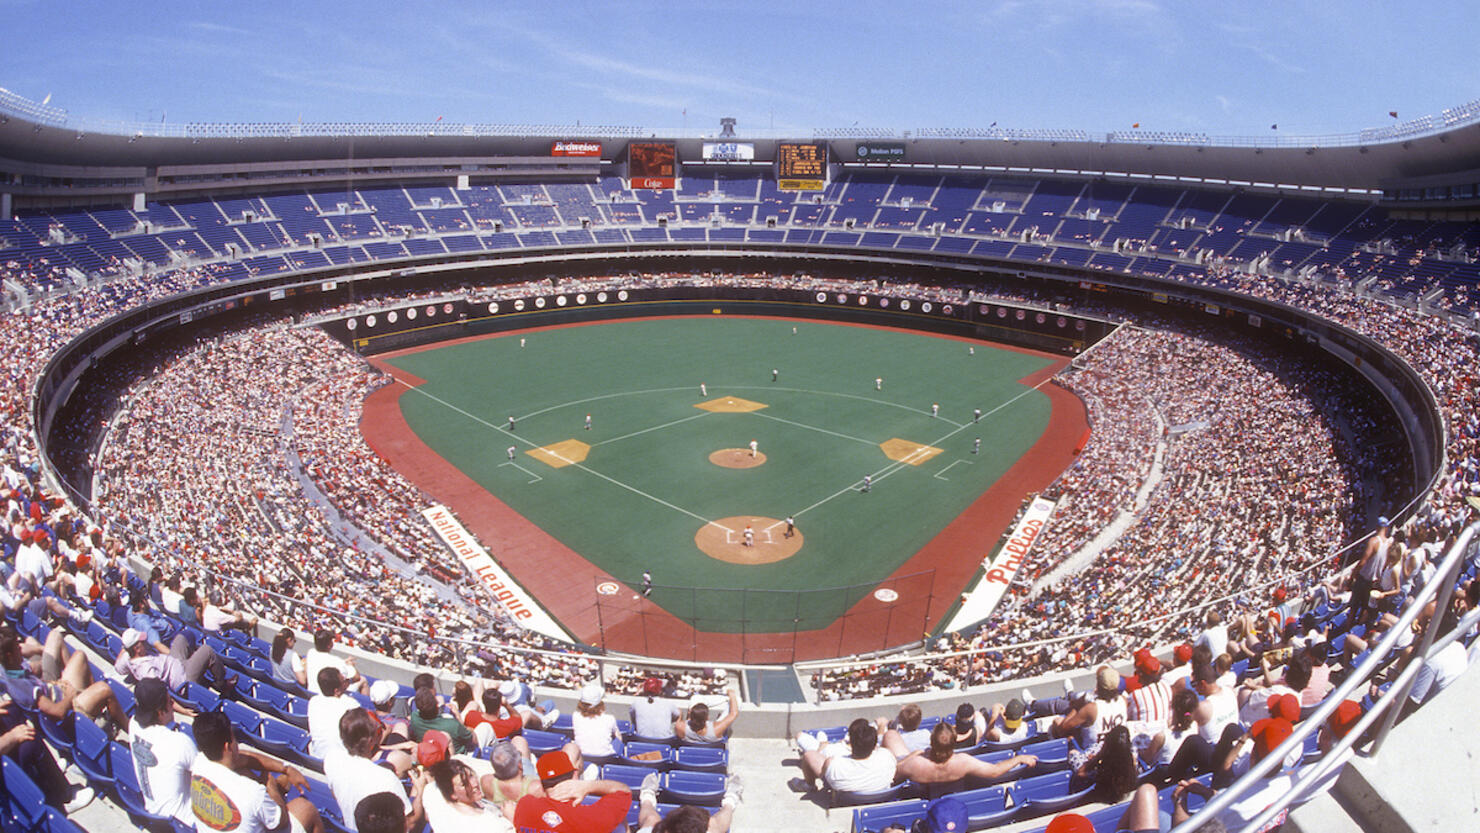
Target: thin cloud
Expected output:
[216,28]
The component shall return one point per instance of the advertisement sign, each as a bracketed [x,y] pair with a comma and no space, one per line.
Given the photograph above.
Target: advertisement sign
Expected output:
[978,603]
[729,151]
[652,165]
[880,151]
[519,604]
[568,148]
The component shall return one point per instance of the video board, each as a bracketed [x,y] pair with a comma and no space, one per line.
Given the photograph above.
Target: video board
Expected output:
[801,166]
[652,165]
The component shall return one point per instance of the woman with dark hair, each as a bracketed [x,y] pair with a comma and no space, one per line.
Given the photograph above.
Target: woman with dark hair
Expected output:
[1111,767]
[287,666]
[458,803]
[698,727]
[968,733]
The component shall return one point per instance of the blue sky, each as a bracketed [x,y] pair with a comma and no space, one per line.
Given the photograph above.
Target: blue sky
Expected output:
[1222,69]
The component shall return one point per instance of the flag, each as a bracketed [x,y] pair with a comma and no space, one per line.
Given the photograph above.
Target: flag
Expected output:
[439,118]
[993,124]
[1274,127]
[1393,113]
[1136,125]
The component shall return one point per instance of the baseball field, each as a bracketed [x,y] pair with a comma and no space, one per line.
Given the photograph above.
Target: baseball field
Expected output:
[681,446]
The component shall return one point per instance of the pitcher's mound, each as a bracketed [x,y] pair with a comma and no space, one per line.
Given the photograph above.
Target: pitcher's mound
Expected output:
[736,458]
[724,539]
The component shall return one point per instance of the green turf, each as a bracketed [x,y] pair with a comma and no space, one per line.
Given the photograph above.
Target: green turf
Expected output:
[648,485]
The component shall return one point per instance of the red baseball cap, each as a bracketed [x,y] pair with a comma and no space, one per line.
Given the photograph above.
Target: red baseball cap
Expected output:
[1286,706]
[1269,733]
[1069,823]
[433,747]
[1341,721]
[1183,653]
[552,765]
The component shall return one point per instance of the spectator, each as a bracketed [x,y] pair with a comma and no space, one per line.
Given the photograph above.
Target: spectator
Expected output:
[20,742]
[382,812]
[65,684]
[287,666]
[699,726]
[162,755]
[686,818]
[457,804]
[904,735]
[940,763]
[510,783]
[560,809]
[866,766]
[428,715]
[140,660]
[1110,765]
[653,717]
[321,657]
[1006,723]
[354,773]
[225,800]
[325,712]
[596,733]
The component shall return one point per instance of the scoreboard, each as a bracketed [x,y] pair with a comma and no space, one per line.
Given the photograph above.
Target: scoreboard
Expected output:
[652,165]
[801,166]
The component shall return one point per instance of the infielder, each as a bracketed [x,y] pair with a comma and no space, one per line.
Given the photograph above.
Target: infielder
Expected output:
[647,583]
[868,482]
[703,391]
[511,454]
[878,383]
[753,446]
[774,374]
[976,445]
[791,525]
[588,422]
[976,414]
[511,423]
[935,409]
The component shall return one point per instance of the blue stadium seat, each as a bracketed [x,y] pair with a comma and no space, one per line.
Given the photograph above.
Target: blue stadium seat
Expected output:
[988,806]
[1052,755]
[197,697]
[703,788]
[91,754]
[541,741]
[637,753]
[701,758]
[1049,793]
[901,813]
[22,804]
[243,717]
[630,775]
[53,821]
[126,791]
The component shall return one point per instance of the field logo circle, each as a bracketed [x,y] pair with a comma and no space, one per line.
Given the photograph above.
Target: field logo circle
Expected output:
[559,300]
[601,297]
[432,311]
[886,595]
[863,300]
[369,321]
[608,588]
[822,297]
[411,314]
[519,304]
[905,304]
[390,317]
[622,295]
[539,303]
[351,324]
[925,307]
[493,307]
[581,298]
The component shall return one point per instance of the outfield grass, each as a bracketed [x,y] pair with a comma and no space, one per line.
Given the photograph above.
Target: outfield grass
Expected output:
[647,485]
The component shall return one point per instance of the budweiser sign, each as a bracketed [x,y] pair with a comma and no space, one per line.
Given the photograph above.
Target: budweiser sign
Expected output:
[575,149]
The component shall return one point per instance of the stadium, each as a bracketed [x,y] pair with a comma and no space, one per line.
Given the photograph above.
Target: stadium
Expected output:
[333,376]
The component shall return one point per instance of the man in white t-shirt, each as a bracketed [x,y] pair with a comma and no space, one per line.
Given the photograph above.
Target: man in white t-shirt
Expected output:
[867,767]
[1215,636]
[324,711]
[162,755]
[225,801]
[320,658]
[353,775]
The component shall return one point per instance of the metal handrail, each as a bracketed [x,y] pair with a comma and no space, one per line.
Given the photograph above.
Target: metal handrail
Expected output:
[1442,586]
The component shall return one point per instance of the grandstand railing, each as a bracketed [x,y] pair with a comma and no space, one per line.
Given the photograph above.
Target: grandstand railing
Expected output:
[1385,709]
[42,113]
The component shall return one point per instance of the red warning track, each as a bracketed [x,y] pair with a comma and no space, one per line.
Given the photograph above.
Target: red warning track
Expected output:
[562,580]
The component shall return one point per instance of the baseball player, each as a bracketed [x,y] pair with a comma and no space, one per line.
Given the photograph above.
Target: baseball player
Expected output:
[753,446]
[511,422]
[511,454]
[791,525]
[521,342]
[703,391]
[868,482]
[774,374]
[935,409]
[749,536]
[976,414]
[976,445]
[647,583]
[878,383]
[588,422]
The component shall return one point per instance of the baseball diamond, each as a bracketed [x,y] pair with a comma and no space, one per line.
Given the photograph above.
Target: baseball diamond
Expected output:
[666,481]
